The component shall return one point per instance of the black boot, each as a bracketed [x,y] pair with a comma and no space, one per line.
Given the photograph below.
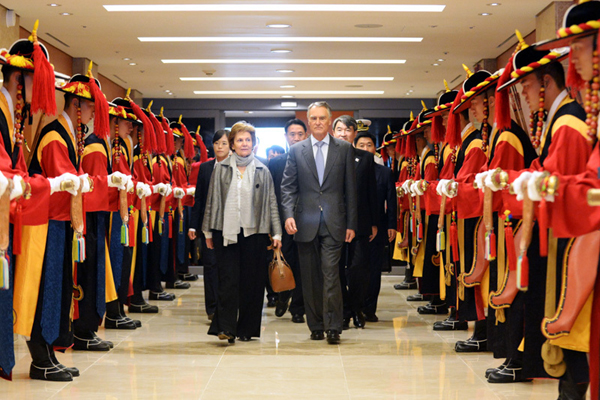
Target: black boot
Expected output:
[477,342]
[512,372]
[435,306]
[500,368]
[139,305]
[451,323]
[569,390]
[72,370]
[88,341]
[42,367]
[137,323]
[409,282]
[114,319]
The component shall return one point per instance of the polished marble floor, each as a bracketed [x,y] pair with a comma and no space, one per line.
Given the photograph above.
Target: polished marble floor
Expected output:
[171,357]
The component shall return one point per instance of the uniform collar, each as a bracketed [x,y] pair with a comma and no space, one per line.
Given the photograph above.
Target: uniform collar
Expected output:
[70,123]
[314,141]
[466,130]
[9,101]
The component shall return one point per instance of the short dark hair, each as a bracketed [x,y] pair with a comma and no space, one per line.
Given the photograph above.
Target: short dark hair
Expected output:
[219,134]
[346,120]
[365,135]
[465,114]
[276,149]
[556,72]
[294,121]
[7,72]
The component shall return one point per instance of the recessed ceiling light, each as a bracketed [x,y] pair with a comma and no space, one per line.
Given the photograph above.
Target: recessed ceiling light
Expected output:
[441,60]
[368,26]
[287,86]
[285,71]
[275,61]
[278,39]
[126,59]
[435,64]
[408,94]
[65,13]
[132,63]
[167,90]
[287,97]
[289,104]
[170,94]
[279,26]
[241,7]
[485,14]
[281,51]
[53,5]
[278,92]
[494,4]
[411,90]
[287,78]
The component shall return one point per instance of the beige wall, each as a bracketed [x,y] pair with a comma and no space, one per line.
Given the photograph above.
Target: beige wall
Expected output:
[7,35]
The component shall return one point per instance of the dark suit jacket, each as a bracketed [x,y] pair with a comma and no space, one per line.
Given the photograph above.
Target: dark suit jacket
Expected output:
[276,167]
[386,193]
[304,199]
[366,187]
[204,174]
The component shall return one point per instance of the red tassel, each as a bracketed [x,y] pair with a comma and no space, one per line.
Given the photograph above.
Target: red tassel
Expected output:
[454,241]
[543,225]
[43,98]
[161,144]
[75,302]
[574,80]
[438,132]
[101,119]
[149,143]
[384,155]
[170,140]
[510,248]
[18,230]
[188,145]
[502,117]
[131,233]
[453,129]
[410,147]
[493,245]
[400,146]
[524,272]
[203,151]
[130,290]
[170,225]
[150,225]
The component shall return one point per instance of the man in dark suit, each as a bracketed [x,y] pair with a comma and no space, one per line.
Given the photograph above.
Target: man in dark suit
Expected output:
[386,232]
[320,208]
[295,131]
[354,263]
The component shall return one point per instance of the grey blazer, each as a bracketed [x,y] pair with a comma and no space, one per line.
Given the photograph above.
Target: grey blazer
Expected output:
[263,198]
[303,199]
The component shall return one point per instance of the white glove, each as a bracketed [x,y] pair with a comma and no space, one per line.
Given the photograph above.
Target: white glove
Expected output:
[406,186]
[159,187]
[532,188]
[118,174]
[178,193]
[490,183]
[169,189]
[147,190]
[450,189]
[518,184]
[3,183]
[191,191]
[480,180]
[440,186]
[17,190]
[140,189]
[55,183]
[85,182]
[129,184]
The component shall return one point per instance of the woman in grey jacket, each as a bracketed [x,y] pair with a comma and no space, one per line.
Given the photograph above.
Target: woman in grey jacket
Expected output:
[241,212]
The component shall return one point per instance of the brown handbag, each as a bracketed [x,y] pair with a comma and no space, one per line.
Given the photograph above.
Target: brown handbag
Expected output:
[280,273]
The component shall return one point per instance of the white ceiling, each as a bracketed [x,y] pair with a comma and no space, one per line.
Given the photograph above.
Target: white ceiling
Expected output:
[457,35]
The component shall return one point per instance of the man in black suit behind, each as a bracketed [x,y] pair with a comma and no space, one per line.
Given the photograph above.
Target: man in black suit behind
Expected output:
[354,263]
[320,208]
[295,131]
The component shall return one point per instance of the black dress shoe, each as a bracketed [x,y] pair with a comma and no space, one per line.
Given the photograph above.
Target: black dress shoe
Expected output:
[280,308]
[52,373]
[72,370]
[108,342]
[298,319]
[509,374]
[317,335]
[271,303]
[178,284]
[430,309]
[346,324]
[162,296]
[471,345]
[188,277]
[211,316]
[359,319]
[244,338]
[333,337]
[489,371]
[136,322]
[406,285]
[119,323]
[371,318]
[143,308]
[418,297]
[226,335]
[89,344]
[450,324]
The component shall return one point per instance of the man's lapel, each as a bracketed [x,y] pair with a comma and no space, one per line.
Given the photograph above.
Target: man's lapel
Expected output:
[332,155]
[310,158]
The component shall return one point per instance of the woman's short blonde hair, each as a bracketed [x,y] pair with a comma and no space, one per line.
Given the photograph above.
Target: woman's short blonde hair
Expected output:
[241,126]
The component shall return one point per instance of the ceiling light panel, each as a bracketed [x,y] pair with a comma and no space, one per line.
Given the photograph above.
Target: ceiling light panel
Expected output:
[279,92]
[275,8]
[276,61]
[280,39]
[286,78]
